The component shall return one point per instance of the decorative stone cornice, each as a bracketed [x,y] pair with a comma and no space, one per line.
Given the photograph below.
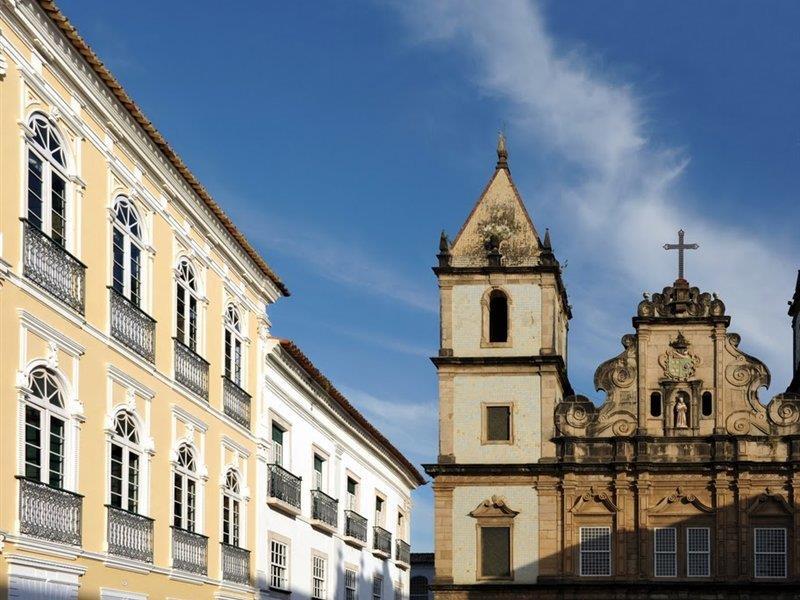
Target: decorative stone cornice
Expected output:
[492,508]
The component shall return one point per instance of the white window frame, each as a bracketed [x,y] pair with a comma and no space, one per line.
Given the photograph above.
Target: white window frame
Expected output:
[47,411]
[233,362]
[319,577]
[233,502]
[756,553]
[51,165]
[278,451]
[706,552]
[187,280]
[350,584]
[187,473]
[318,478]
[581,551]
[665,552]
[129,446]
[130,240]
[352,499]
[380,515]
[279,570]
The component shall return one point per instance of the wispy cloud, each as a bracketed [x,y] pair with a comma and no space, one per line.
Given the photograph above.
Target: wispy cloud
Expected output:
[621,202]
[338,260]
[385,342]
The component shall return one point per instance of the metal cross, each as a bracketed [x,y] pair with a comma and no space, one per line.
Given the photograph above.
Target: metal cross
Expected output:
[680,247]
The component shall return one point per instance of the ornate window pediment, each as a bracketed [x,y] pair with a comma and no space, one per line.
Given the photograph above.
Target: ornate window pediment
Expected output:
[770,504]
[493,508]
[681,503]
[594,502]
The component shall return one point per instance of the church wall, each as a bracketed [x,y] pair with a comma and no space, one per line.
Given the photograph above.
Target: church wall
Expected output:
[471,392]
[525,534]
[467,315]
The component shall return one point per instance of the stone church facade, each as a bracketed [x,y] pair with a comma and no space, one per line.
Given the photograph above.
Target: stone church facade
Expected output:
[682,481]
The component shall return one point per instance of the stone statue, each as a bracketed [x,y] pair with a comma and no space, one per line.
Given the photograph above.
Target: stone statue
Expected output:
[680,413]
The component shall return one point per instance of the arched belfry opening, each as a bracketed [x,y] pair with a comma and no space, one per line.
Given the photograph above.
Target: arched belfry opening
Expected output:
[498,316]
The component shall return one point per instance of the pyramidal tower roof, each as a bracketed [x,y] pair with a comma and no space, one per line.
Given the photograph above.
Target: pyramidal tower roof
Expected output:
[498,220]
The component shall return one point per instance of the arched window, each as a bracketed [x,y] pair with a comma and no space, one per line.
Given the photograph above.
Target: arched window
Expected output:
[419,587]
[233,345]
[498,316]
[125,464]
[706,404]
[186,317]
[184,490]
[47,180]
[231,508]
[45,428]
[655,404]
[127,247]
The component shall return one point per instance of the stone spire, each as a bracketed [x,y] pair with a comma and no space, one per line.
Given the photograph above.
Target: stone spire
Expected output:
[502,153]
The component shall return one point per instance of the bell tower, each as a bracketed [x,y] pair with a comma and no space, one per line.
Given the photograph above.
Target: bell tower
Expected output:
[502,366]
[794,312]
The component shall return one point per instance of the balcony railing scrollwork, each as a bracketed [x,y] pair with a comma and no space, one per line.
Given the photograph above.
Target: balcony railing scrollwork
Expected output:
[381,541]
[235,564]
[191,369]
[284,486]
[49,513]
[236,402]
[402,552]
[130,534]
[51,267]
[324,508]
[355,526]
[132,326]
[189,551]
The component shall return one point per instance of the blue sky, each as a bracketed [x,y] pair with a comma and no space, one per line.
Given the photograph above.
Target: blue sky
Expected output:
[342,137]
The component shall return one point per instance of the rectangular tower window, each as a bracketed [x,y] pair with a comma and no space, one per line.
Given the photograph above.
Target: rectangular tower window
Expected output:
[698,552]
[498,423]
[495,548]
[666,552]
[770,551]
[595,551]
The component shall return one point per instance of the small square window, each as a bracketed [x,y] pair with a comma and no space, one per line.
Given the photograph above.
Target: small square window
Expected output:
[498,423]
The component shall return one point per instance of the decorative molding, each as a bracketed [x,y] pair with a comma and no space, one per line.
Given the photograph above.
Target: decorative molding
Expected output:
[591,500]
[680,499]
[51,334]
[493,508]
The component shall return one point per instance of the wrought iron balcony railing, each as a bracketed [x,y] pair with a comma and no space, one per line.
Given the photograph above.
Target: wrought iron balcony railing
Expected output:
[235,564]
[355,526]
[284,486]
[189,551]
[130,534]
[49,513]
[191,369]
[132,326]
[402,552]
[381,541]
[324,508]
[236,402]
[52,268]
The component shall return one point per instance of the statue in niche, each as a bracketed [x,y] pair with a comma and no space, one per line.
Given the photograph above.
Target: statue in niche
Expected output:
[681,410]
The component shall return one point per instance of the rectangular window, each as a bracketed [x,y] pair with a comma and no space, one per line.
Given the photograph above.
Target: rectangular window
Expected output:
[352,494]
[33,444]
[58,228]
[277,444]
[698,551]
[770,551]
[495,547]
[116,475]
[118,272]
[318,577]
[136,275]
[595,551]
[180,324]
[350,584]
[133,482]
[377,587]
[319,465]
[191,503]
[379,510]
[35,185]
[665,545]
[401,526]
[56,452]
[177,501]
[498,423]
[278,561]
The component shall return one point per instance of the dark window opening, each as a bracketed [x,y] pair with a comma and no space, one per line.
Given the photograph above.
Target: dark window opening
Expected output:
[495,552]
[498,423]
[498,317]
[706,404]
[655,404]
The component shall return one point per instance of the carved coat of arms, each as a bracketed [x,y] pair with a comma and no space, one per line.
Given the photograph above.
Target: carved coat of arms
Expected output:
[678,363]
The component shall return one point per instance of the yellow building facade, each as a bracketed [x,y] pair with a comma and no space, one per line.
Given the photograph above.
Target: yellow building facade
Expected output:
[133,330]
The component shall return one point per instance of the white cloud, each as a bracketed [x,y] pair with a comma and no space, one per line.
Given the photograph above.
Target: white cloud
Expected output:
[621,204]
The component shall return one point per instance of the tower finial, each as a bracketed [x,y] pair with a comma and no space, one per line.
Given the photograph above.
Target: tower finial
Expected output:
[502,153]
[547,244]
